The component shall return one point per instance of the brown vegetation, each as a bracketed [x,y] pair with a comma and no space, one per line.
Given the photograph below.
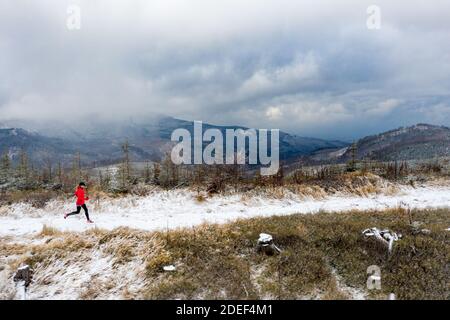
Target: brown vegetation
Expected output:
[322,256]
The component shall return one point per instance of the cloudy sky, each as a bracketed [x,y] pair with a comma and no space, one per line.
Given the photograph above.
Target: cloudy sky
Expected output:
[310,67]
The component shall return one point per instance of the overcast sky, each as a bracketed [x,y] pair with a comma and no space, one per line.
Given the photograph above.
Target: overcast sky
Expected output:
[306,67]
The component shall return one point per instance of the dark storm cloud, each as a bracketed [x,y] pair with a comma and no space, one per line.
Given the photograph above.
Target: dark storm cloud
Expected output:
[309,67]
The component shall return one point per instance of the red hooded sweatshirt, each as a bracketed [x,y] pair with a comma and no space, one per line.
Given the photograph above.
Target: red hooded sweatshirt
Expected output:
[81,198]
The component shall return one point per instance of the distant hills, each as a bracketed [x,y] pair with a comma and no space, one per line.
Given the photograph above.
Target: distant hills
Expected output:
[421,141]
[100,141]
[149,139]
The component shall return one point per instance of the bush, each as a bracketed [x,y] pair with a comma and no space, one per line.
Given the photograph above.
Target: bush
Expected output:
[38,199]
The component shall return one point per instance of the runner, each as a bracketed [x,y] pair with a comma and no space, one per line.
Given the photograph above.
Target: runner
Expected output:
[81,202]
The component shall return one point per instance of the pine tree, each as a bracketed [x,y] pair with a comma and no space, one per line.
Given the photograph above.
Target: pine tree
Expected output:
[59,173]
[47,172]
[156,173]
[76,168]
[126,160]
[5,167]
[5,163]
[147,173]
[22,168]
[124,170]
[351,165]
[279,177]
[169,173]
[105,180]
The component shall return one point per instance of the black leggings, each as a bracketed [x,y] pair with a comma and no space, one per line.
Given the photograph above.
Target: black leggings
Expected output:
[79,210]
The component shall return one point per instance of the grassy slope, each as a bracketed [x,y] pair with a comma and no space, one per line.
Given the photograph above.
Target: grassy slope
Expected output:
[220,261]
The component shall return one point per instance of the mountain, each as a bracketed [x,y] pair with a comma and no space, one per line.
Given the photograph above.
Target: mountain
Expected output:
[100,141]
[291,146]
[419,142]
[41,148]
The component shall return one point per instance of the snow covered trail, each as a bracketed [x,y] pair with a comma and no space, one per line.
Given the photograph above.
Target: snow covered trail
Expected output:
[172,209]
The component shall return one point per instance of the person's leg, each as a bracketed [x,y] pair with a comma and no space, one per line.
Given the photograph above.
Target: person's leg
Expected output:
[86,212]
[75,212]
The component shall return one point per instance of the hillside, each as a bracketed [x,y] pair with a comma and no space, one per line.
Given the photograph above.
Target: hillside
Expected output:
[101,141]
[149,139]
[41,148]
[323,256]
[418,142]
[422,141]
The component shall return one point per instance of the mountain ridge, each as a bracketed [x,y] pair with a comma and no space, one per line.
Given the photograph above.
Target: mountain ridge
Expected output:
[148,139]
[417,142]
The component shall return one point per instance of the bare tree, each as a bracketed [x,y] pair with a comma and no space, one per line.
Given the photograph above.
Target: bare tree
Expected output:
[156,173]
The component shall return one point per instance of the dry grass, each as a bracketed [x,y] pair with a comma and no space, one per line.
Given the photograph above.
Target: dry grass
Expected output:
[219,261]
[322,255]
[353,183]
[200,198]
[37,198]
[11,249]
[49,231]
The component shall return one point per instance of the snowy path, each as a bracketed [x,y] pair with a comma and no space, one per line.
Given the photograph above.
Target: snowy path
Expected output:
[172,209]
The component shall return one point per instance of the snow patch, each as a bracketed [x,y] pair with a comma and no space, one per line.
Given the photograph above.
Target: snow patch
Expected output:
[93,276]
[178,208]
[352,292]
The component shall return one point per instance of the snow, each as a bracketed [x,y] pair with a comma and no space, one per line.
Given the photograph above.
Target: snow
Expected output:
[70,279]
[169,268]
[164,210]
[25,267]
[265,238]
[339,153]
[352,292]
[94,273]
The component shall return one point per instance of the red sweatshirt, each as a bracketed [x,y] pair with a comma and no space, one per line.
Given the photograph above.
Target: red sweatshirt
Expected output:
[81,198]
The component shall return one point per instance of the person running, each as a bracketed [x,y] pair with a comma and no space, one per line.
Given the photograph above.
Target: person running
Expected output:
[81,202]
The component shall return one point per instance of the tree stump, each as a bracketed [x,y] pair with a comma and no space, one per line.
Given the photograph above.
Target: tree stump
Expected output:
[24,274]
[385,237]
[265,245]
